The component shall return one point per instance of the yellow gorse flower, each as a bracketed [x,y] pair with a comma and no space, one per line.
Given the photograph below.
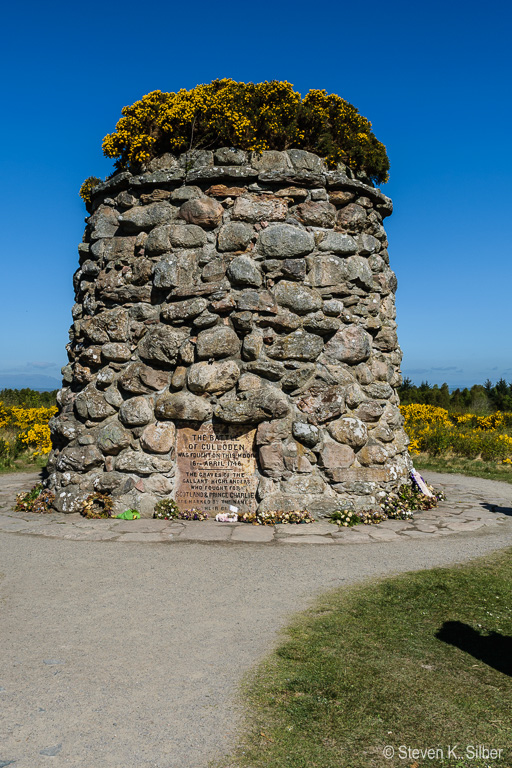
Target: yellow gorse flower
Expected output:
[29,426]
[435,430]
[250,116]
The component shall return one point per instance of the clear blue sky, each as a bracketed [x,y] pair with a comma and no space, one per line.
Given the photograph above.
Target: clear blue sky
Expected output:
[434,78]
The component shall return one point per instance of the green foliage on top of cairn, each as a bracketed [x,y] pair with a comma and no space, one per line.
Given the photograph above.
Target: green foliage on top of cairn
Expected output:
[249,116]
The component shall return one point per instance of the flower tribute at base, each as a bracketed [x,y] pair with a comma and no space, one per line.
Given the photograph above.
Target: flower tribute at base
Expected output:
[395,506]
[167,509]
[97,505]
[38,500]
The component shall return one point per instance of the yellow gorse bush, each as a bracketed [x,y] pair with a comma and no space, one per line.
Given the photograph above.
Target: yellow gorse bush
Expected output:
[493,421]
[250,116]
[245,115]
[28,426]
[436,431]
[38,436]
[4,415]
[424,414]
[27,417]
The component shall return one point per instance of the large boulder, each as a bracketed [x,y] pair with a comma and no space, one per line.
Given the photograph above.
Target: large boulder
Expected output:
[349,431]
[284,241]
[299,345]
[182,406]
[234,236]
[161,344]
[244,271]
[136,412]
[252,407]
[204,212]
[351,344]
[159,437]
[212,377]
[255,208]
[147,216]
[217,342]
[297,297]
[113,438]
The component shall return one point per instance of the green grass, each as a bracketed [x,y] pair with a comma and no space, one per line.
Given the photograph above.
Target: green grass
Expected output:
[472,467]
[24,463]
[364,669]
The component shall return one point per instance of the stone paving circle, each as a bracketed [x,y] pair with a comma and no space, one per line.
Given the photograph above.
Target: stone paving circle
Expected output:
[471,504]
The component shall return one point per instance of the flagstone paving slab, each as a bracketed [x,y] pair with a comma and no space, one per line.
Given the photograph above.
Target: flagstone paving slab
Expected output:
[255,533]
[306,540]
[91,536]
[375,533]
[351,535]
[143,525]
[204,532]
[470,525]
[394,525]
[425,528]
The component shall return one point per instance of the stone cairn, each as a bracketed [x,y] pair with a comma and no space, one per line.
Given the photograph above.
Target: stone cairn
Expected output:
[232,296]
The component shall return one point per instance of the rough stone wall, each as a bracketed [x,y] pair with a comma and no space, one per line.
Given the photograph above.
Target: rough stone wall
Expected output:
[249,289]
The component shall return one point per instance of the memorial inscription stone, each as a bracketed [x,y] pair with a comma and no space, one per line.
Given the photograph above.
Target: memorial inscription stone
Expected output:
[216,468]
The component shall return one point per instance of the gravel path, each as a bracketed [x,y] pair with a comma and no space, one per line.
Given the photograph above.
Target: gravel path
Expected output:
[130,656]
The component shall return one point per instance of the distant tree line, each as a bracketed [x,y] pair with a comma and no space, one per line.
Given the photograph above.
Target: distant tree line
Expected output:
[478,399]
[30,398]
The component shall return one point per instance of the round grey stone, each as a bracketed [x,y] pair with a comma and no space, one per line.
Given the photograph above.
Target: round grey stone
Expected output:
[349,431]
[351,344]
[113,438]
[297,297]
[212,377]
[136,412]
[234,236]
[307,434]
[284,241]
[244,271]
[217,342]
[182,405]
[161,344]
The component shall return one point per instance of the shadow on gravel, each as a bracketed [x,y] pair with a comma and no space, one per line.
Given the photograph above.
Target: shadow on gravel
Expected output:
[493,649]
[499,510]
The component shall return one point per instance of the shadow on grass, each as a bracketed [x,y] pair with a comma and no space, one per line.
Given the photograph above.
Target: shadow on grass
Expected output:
[493,649]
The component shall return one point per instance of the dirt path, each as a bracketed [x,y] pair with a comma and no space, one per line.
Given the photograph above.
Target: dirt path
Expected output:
[130,656]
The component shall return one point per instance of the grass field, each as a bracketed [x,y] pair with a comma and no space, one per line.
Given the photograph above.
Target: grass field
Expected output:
[419,661]
[457,465]
[26,462]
